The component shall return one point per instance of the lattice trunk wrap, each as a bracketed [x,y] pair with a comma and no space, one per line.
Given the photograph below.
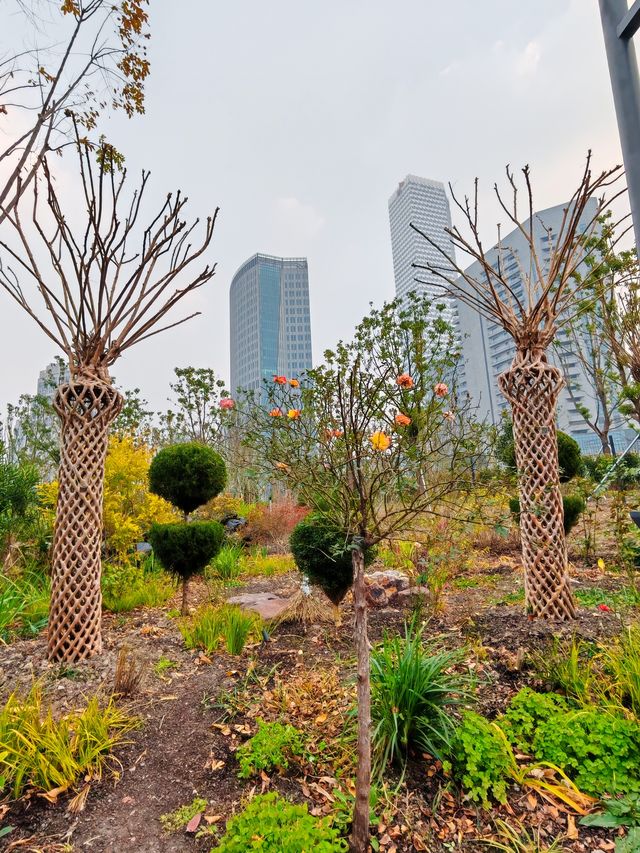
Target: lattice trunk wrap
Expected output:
[86,408]
[532,390]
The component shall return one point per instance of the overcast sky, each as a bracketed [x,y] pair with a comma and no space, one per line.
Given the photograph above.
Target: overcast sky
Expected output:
[299,119]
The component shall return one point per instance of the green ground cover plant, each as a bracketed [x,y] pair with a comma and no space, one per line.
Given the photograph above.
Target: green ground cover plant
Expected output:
[176,820]
[480,759]
[273,747]
[24,603]
[270,824]
[127,586]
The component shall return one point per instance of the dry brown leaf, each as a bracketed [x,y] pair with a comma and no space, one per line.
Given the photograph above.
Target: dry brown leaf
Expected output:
[572,829]
[212,818]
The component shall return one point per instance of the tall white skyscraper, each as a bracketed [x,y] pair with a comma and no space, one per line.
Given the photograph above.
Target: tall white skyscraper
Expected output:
[425,204]
[270,321]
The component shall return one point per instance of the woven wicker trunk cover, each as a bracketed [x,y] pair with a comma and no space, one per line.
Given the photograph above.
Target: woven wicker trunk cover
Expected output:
[86,409]
[532,390]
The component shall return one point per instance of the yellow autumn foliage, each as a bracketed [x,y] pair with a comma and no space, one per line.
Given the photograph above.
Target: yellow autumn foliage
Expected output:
[129,508]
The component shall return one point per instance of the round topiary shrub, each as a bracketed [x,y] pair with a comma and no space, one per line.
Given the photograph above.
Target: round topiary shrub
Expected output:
[187,475]
[569,456]
[184,549]
[573,506]
[322,552]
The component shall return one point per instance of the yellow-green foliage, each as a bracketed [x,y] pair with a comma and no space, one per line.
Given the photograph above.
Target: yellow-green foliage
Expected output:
[126,586]
[129,508]
[268,564]
[41,753]
[223,506]
[211,627]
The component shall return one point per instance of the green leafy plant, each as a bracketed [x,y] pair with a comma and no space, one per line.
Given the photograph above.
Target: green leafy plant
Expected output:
[598,749]
[176,820]
[187,475]
[323,554]
[272,748]
[227,565]
[270,824]
[41,753]
[616,811]
[622,662]
[162,665]
[526,711]
[412,689]
[480,759]
[24,603]
[569,666]
[127,586]
[212,626]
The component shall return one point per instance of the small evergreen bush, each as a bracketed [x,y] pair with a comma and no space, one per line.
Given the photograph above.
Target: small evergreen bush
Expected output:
[270,824]
[272,748]
[187,475]
[573,507]
[569,455]
[323,553]
[185,549]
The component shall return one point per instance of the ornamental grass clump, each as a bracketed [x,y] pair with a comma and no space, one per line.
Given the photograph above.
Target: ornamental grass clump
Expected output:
[414,688]
[48,755]
[187,475]
[212,627]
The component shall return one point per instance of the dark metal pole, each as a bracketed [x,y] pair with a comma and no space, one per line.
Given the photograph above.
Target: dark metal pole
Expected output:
[618,26]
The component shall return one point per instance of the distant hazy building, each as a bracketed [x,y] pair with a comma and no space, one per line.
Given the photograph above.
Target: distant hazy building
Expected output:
[423,203]
[488,349]
[270,320]
[54,374]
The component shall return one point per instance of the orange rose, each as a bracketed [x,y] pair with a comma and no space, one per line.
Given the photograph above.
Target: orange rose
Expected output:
[441,389]
[276,413]
[337,433]
[380,440]
[293,414]
[294,383]
[280,380]
[404,381]
[402,420]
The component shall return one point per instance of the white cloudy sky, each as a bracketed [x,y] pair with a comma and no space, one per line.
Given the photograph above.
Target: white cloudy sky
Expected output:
[299,118]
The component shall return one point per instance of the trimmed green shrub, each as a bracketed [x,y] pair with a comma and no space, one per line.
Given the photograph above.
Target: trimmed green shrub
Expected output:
[569,455]
[573,506]
[187,475]
[185,549]
[526,711]
[412,688]
[272,747]
[323,553]
[270,824]
[481,760]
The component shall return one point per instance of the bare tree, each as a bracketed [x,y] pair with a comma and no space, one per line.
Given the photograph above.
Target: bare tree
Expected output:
[532,384]
[98,62]
[115,283]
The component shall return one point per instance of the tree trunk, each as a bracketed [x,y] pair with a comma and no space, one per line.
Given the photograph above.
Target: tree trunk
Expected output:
[360,829]
[185,597]
[86,407]
[532,388]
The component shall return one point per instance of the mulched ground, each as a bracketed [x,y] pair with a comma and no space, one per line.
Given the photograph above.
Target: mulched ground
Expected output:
[190,731]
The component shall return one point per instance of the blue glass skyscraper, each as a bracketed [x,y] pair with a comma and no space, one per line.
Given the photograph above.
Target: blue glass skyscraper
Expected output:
[270,321]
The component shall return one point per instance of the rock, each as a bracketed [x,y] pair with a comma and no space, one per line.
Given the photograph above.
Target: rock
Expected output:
[267,605]
[383,588]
